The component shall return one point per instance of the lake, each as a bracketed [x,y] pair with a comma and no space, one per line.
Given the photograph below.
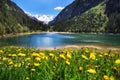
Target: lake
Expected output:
[54,40]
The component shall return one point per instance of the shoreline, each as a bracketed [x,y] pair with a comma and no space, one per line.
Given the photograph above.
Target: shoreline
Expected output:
[27,33]
[100,47]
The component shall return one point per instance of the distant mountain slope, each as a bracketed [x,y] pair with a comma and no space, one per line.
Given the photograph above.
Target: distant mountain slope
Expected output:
[14,20]
[89,16]
[76,8]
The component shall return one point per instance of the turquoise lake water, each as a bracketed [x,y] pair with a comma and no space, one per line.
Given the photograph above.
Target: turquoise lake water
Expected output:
[53,40]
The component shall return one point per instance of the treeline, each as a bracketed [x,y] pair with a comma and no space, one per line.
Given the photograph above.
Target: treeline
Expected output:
[14,20]
[102,18]
[93,20]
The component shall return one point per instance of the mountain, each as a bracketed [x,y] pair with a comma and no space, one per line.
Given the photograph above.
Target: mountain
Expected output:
[89,16]
[76,8]
[14,20]
[42,18]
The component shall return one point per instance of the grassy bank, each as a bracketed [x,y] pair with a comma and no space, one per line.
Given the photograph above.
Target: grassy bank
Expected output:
[62,64]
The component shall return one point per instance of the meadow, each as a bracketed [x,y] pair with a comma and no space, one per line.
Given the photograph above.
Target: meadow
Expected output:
[62,64]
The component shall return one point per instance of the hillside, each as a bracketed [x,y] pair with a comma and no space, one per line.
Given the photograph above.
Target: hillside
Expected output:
[14,20]
[96,16]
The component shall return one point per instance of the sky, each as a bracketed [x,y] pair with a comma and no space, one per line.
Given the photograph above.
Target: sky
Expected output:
[42,7]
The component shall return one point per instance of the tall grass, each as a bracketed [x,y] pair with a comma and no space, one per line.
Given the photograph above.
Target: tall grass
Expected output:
[64,64]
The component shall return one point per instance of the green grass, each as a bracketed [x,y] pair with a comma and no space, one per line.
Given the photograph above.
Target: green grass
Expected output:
[63,64]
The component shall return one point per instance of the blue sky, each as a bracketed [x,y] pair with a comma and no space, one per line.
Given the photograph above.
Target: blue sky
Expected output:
[42,7]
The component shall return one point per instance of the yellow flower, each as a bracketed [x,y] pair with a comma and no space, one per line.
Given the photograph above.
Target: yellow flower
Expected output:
[117,61]
[10,63]
[17,65]
[28,59]
[105,54]
[92,56]
[112,78]
[51,55]
[67,62]
[35,55]
[106,77]
[86,50]
[38,59]
[80,68]
[91,71]
[13,55]
[1,51]
[4,58]
[84,57]
[36,64]
[27,78]
[62,56]
[33,70]
[21,55]
[68,55]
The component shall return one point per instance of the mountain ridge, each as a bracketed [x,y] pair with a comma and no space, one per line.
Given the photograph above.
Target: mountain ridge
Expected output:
[14,20]
[104,17]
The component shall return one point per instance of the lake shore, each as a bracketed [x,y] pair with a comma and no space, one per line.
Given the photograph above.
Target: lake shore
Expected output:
[101,47]
[27,33]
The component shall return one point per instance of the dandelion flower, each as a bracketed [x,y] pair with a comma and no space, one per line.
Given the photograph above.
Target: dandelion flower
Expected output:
[84,57]
[92,56]
[36,64]
[68,55]
[33,70]
[4,58]
[91,71]
[51,55]
[80,68]
[38,59]
[117,61]
[67,62]
[27,78]
[1,51]
[21,55]
[62,56]
[112,78]
[106,77]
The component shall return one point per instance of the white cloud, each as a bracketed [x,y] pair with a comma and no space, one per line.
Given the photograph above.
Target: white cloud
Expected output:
[58,8]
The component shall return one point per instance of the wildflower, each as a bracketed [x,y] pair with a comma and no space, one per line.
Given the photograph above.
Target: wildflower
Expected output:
[62,56]
[10,63]
[105,54]
[1,51]
[112,78]
[4,58]
[36,64]
[21,55]
[84,57]
[55,59]
[86,50]
[68,55]
[35,55]
[17,65]
[100,55]
[51,55]
[13,55]
[27,78]
[38,59]
[67,62]
[91,71]
[33,70]
[80,68]
[106,77]
[28,59]
[92,56]
[117,61]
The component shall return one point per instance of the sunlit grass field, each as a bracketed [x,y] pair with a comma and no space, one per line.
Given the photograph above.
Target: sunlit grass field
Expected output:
[62,64]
